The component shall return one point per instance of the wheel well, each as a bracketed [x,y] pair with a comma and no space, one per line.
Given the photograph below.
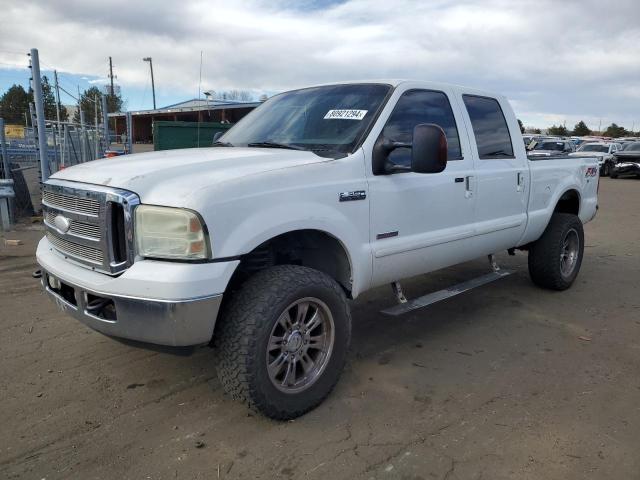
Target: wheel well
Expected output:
[310,248]
[569,203]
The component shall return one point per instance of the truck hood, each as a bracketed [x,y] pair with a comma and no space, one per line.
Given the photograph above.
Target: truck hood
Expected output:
[180,173]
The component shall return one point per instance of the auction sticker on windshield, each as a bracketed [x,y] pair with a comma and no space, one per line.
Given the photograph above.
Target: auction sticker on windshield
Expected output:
[345,114]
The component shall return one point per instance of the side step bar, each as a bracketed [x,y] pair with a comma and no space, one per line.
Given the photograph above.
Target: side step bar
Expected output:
[434,297]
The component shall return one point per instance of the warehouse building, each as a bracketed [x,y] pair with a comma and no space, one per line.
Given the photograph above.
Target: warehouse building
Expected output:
[194,110]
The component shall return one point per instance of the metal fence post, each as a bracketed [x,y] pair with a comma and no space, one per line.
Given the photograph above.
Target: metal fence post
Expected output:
[129,133]
[83,138]
[39,101]
[6,168]
[105,122]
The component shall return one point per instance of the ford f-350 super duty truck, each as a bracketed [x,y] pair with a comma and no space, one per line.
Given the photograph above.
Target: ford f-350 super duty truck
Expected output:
[256,245]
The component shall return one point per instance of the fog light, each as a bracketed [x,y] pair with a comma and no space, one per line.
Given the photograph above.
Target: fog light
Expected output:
[54,283]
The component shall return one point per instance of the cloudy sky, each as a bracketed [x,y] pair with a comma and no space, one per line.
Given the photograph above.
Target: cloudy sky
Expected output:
[557,61]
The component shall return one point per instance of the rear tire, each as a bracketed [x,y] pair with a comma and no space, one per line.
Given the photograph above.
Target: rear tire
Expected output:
[282,340]
[555,258]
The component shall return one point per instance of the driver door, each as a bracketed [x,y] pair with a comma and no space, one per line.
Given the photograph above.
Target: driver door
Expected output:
[422,222]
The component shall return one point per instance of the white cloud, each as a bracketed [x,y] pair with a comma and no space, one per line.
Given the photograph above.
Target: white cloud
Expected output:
[569,59]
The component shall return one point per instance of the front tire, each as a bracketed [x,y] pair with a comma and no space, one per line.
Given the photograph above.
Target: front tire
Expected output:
[606,169]
[282,340]
[555,258]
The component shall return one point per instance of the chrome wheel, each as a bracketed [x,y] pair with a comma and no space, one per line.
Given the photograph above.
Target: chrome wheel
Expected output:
[300,345]
[569,253]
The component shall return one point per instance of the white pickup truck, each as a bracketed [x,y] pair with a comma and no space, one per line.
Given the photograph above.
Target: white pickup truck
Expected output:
[256,245]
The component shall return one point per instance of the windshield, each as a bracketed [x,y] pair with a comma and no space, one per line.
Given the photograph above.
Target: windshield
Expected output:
[594,148]
[559,146]
[330,118]
[632,147]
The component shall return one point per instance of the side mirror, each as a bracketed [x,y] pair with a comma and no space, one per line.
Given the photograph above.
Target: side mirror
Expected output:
[428,149]
[216,136]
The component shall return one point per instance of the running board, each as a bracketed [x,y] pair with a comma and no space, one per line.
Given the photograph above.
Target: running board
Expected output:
[443,294]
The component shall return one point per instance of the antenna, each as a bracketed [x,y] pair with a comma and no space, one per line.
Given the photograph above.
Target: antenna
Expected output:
[199,86]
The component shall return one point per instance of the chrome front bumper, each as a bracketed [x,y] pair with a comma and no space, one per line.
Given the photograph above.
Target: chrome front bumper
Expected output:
[174,323]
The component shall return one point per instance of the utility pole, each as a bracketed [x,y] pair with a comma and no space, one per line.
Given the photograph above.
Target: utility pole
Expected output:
[153,87]
[111,74]
[39,100]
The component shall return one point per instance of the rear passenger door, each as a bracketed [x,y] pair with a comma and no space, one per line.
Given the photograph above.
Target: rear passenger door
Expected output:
[502,172]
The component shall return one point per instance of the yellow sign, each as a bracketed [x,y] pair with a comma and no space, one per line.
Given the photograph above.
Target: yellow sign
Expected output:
[14,131]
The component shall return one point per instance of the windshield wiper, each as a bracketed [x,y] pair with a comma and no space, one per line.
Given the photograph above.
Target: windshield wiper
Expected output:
[222,144]
[274,145]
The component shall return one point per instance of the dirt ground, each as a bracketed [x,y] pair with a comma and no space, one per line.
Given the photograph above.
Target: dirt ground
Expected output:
[507,381]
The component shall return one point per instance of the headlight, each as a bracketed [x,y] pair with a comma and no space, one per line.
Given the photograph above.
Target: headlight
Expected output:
[165,232]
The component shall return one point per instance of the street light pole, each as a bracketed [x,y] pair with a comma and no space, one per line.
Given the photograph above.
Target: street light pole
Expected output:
[153,87]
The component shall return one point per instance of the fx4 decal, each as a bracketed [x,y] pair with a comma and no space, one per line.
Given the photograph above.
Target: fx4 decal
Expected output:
[591,172]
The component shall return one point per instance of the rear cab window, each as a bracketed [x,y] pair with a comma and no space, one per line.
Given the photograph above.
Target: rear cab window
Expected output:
[489,127]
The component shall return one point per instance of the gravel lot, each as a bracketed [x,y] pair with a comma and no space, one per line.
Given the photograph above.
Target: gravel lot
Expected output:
[507,381]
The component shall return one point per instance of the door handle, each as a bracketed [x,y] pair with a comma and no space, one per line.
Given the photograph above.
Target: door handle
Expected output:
[469,186]
[520,182]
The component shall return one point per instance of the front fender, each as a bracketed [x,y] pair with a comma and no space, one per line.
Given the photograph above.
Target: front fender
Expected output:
[259,226]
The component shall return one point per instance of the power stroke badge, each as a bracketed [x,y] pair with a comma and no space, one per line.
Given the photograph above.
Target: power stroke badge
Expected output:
[351,196]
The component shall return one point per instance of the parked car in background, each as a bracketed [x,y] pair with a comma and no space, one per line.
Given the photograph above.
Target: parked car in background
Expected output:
[527,139]
[627,161]
[551,147]
[603,151]
[627,143]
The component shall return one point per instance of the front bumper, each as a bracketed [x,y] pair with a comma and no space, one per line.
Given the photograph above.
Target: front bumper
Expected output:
[627,168]
[163,303]
[172,323]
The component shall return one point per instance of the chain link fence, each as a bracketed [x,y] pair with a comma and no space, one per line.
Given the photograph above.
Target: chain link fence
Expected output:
[67,144]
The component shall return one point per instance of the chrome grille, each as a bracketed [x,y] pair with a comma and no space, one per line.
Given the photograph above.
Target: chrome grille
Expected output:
[76,250]
[84,206]
[77,228]
[91,212]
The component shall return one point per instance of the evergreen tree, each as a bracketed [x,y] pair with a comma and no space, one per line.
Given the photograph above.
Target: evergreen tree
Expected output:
[615,131]
[50,102]
[559,130]
[87,103]
[14,104]
[581,129]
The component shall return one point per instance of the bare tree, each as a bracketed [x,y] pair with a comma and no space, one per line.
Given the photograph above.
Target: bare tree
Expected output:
[236,95]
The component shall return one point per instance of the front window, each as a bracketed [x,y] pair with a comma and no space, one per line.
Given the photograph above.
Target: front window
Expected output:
[329,120]
[594,148]
[413,108]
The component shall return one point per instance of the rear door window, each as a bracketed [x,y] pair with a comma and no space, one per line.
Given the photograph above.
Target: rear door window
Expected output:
[489,127]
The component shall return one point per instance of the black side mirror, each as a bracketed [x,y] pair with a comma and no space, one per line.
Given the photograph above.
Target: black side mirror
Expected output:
[428,149]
